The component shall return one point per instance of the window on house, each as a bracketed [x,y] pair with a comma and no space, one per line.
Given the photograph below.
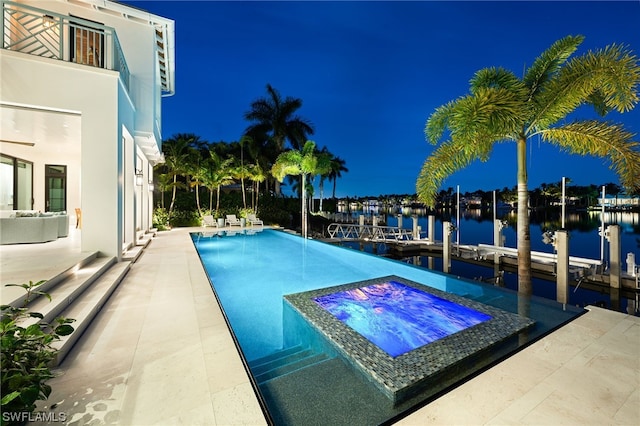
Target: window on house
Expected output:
[16,184]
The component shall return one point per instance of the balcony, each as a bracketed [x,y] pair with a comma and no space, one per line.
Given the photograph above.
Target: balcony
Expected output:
[39,32]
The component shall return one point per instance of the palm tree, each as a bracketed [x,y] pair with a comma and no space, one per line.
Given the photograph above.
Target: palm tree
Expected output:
[217,173]
[176,152]
[257,175]
[337,167]
[501,107]
[164,181]
[304,163]
[276,118]
[197,171]
[328,158]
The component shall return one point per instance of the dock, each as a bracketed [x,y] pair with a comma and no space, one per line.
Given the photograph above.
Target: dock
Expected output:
[403,243]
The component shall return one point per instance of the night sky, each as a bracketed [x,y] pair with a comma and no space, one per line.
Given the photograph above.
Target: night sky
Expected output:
[371,73]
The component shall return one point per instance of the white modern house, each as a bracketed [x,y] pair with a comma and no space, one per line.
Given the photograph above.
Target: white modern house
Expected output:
[80,106]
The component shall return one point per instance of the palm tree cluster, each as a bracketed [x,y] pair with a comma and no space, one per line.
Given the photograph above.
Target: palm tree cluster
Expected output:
[192,163]
[502,107]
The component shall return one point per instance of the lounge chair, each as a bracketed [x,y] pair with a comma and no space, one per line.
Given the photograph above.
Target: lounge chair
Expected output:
[253,220]
[232,220]
[208,220]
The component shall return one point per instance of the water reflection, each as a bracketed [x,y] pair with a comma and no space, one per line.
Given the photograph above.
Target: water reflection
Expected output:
[476,226]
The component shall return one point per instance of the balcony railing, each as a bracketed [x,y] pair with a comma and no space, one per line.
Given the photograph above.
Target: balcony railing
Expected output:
[43,33]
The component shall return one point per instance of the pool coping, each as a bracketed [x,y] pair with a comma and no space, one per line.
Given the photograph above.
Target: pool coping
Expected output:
[411,373]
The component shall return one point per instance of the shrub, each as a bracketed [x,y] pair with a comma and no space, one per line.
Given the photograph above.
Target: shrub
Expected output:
[161,219]
[27,353]
[184,218]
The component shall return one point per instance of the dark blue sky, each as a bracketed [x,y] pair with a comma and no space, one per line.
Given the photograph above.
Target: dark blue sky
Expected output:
[371,73]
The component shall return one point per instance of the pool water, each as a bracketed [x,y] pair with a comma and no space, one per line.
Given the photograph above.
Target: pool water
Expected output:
[398,318]
[292,364]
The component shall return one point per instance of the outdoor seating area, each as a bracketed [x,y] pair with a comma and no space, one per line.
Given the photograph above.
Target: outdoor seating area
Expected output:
[20,227]
[231,220]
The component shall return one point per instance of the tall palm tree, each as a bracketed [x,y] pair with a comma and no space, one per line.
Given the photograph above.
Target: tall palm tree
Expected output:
[218,172]
[242,172]
[276,118]
[300,163]
[337,167]
[325,174]
[502,107]
[164,181]
[257,175]
[177,151]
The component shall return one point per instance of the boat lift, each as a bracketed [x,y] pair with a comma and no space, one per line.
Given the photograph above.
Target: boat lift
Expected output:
[373,233]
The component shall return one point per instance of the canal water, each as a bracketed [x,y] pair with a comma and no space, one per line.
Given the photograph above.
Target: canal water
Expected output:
[476,227]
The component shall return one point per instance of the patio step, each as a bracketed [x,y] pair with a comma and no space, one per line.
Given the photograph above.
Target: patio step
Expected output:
[285,362]
[79,294]
[57,279]
[65,292]
[143,239]
[87,306]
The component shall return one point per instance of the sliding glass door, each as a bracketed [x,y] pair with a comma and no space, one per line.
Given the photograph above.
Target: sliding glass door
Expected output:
[16,184]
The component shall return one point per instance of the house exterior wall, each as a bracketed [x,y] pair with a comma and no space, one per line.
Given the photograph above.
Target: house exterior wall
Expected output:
[94,93]
[111,124]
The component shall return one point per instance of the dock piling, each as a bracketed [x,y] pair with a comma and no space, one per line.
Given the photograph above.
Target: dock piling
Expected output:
[431,220]
[615,254]
[562,271]
[447,230]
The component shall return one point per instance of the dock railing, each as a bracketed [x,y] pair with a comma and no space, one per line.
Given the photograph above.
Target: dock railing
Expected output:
[348,231]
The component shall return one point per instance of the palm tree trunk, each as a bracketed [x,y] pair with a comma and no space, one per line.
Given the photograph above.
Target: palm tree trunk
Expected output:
[304,208]
[244,195]
[198,200]
[173,194]
[257,192]
[524,234]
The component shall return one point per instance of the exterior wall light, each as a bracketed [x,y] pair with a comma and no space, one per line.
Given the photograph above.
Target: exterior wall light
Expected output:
[48,21]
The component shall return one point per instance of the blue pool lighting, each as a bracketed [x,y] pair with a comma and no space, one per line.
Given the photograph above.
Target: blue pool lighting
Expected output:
[398,318]
[307,366]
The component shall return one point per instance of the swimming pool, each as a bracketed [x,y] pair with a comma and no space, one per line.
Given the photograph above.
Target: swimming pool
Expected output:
[298,374]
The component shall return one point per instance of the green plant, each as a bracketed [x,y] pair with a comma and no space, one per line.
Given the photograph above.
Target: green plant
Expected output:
[244,212]
[161,219]
[27,353]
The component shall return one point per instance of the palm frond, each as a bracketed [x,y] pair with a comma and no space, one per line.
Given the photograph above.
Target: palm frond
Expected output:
[491,111]
[287,163]
[549,62]
[496,78]
[607,79]
[601,139]
[438,122]
[447,159]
